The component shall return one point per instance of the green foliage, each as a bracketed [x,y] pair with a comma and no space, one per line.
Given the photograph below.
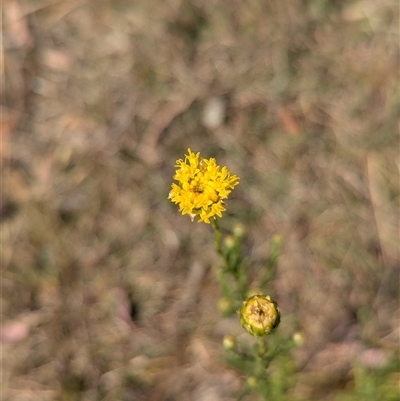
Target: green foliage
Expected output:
[370,385]
[252,361]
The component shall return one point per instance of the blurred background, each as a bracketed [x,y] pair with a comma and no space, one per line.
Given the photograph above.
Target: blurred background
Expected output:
[108,293]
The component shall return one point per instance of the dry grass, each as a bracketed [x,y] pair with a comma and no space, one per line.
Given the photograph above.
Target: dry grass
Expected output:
[99,100]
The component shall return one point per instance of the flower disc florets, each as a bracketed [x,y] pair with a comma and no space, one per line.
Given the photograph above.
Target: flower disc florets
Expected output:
[202,187]
[260,315]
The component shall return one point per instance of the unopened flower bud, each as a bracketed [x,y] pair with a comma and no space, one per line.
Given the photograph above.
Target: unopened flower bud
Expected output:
[239,230]
[229,343]
[252,382]
[225,306]
[229,242]
[277,239]
[298,338]
[259,315]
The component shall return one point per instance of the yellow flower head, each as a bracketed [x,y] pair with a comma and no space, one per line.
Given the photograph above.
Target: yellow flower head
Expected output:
[202,187]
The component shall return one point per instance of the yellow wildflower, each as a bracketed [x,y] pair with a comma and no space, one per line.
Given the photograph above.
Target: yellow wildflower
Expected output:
[202,187]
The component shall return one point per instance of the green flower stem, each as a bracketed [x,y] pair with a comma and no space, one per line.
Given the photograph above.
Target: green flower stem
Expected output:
[262,347]
[232,263]
[243,283]
[259,314]
[218,236]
